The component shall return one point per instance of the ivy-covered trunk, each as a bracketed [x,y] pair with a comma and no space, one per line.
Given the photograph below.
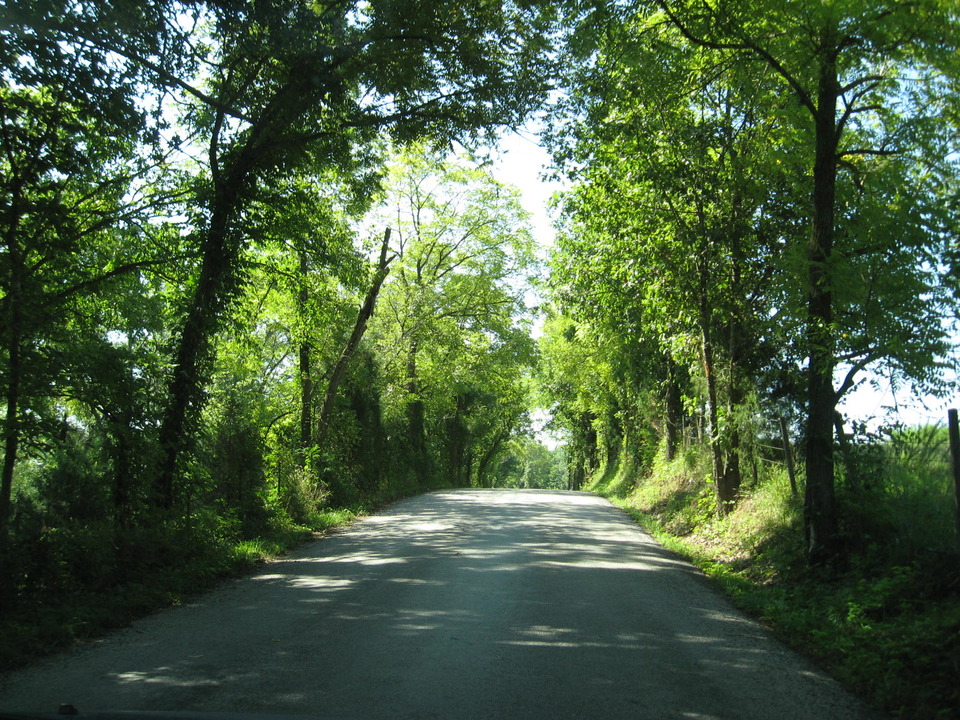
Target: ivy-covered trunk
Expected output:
[11,426]
[219,275]
[725,495]
[736,354]
[458,441]
[416,418]
[305,369]
[820,511]
[483,466]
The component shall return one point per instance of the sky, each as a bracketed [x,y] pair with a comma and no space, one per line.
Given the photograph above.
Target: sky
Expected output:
[522,164]
[872,405]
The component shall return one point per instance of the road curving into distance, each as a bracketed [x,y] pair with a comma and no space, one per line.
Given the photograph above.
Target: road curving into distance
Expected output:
[487,604]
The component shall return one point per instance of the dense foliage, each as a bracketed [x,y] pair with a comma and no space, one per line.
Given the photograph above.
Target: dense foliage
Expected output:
[193,198]
[763,211]
[763,214]
[888,623]
[248,287]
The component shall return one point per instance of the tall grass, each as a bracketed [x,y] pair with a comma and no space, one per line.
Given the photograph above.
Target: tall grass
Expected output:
[888,623]
[919,488]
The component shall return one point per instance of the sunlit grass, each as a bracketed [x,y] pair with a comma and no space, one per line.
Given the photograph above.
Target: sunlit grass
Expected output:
[328,519]
[887,624]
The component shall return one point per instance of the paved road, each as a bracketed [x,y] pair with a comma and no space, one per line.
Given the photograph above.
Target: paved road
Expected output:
[479,604]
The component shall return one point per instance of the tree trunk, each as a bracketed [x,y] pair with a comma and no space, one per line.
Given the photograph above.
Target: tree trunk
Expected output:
[11,425]
[218,278]
[416,417]
[457,444]
[732,473]
[220,267]
[820,511]
[733,477]
[305,371]
[591,449]
[484,465]
[359,328]
[122,452]
[674,403]
[713,436]
[11,422]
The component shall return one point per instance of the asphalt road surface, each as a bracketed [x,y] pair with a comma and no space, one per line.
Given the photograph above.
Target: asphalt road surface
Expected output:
[459,604]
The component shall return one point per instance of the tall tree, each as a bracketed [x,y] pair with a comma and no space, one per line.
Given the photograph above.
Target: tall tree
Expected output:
[662,236]
[448,312]
[73,211]
[849,65]
[267,88]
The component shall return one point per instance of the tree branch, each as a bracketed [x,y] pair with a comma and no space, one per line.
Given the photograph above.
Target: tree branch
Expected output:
[802,95]
[93,282]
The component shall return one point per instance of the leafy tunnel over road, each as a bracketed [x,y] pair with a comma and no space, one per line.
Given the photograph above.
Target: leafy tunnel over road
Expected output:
[453,604]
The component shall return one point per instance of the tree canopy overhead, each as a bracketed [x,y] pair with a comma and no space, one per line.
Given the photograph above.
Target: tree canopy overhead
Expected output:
[154,150]
[787,158]
[257,276]
[196,336]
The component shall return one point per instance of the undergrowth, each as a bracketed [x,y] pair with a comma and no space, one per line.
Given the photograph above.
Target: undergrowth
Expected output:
[91,588]
[887,625]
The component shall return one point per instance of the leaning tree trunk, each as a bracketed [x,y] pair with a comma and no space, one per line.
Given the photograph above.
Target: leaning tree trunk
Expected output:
[483,467]
[219,275]
[359,328]
[233,175]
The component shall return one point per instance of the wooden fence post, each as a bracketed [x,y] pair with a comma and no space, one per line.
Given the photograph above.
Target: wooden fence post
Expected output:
[788,456]
[954,428]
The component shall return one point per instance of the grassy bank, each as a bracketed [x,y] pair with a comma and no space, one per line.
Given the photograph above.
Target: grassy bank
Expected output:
[887,624]
[89,587]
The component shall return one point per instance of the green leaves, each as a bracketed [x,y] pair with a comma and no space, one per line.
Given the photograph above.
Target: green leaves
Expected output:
[738,172]
[167,166]
[448,326]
